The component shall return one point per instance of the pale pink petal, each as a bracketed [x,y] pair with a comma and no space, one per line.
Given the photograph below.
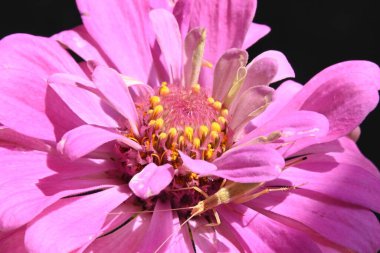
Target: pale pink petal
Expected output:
[21,196]
[194,45]
[70,78]
[255,32]
[227,70]
[74,220]
[160,229]
[249,164]
[128,237]
[249,105]
[151,180]
[73,40]
[182,11]
[19,141]
[266,68]
[180,241]
[201,167]
[345,93]
[117,94]
[122,31]
[85,139]
[347,225]
[163,4]
[169,39]
[13,241]
[296,126]
[86,104]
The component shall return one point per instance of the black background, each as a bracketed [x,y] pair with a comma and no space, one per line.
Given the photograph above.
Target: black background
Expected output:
[313,34]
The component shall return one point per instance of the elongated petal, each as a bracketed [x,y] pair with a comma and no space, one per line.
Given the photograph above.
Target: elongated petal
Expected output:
[249,164]
[11,242]
[113,24]
[227,72]
[73,219]
[151,180]
[255,32]
[335,221]
[201,167]
[10,137]
[86,104]
[116,91]
[168,37]
[345,93]
[85,139]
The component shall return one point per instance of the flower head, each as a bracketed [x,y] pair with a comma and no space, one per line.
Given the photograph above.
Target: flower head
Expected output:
[165,139]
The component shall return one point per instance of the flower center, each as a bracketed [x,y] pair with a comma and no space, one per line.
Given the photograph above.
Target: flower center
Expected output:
[176,119]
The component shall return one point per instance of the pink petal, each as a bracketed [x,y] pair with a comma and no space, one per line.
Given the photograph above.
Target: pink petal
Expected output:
[74,40]
[180,241]
[255,32]
[116,91]
[227,69]
[86,104]
[18,140]
[72,222]
[201,167]
[13,242]
[347,225]
[266,68]
[345,93]
[249,105]
[85,139]
[151,180]
[113,24]
[160,229]
[249,164]
[21,197]
[169,39]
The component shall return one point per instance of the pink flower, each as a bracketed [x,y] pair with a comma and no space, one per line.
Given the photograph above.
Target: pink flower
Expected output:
[164,113]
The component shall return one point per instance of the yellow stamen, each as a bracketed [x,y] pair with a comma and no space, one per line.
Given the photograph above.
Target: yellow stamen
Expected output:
[196,143]
[152,122]
[210,100]
[157,110]
[154,100]
[216,127]
[224,113]
[159,123]
[189,132]
[214,135]
[209,152]
[222,120]
[164,90]
[193,175]
[217,105]
[196,88]
[203,131]
[162,136]
[172,132]
[181,140]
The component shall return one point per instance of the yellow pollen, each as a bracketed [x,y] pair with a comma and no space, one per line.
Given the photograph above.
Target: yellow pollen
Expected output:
[222,120]
[209,152]
[159,123]
[189,131]
[203,131]
[214,135]
[210,100]
[162,136]
[193,175]
[154,100]
[181,140]
[150,111]
[224,113]
[172,132]
[152,122]
[196,88]
[196,143]
[217,105]
[164,90]
[157,110]
[216,127]
[164,83]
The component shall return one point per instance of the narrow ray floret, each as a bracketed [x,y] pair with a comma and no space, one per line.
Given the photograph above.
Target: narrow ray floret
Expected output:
[165,138]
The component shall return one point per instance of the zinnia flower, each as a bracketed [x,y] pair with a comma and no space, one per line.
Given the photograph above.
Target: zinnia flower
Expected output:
[164,139]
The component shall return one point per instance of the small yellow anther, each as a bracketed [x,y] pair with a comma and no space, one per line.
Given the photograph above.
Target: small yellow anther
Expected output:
[172,132]
[222,120]
[189,132]
[193,175]
[211,100]
[152,122]
[224,113]
[196,143]
[215,127]
[154,100]
[217,105]
[150,111]
[159,123]
[181,140]
[164,83]
[164,90]
[203,131]
[209,152]
[157,110]
[214,135]
[162,136]
[196,88]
